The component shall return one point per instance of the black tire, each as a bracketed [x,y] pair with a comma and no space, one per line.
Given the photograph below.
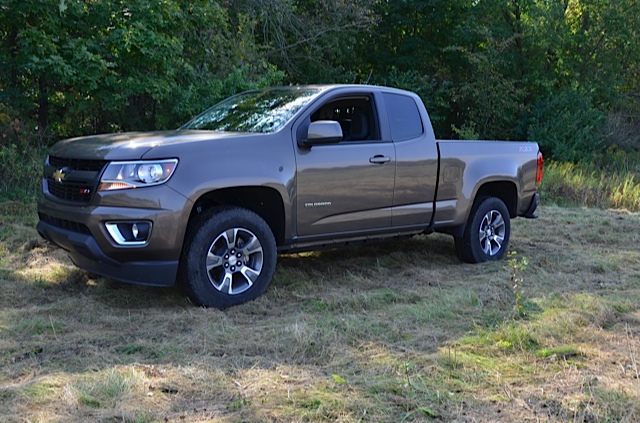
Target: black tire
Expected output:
[229,258]
[486,236]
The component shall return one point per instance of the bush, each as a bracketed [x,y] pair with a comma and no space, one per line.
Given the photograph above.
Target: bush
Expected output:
[20,172]
[22,151]
[623,130]
[568,127]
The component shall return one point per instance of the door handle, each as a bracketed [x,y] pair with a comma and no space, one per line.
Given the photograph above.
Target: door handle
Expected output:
[379,159]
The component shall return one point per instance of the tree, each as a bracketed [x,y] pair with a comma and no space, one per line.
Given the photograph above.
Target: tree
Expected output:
[91,66]
[313,40]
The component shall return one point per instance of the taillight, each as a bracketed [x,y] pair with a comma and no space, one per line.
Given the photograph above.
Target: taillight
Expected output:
[539,169]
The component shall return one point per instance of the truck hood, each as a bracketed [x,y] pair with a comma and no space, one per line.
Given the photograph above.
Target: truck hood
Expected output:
[130,145]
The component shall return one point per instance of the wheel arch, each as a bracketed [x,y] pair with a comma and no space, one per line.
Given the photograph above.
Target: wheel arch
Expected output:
[504,190]
[264,201]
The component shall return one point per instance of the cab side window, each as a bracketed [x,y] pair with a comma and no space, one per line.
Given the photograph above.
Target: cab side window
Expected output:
[354,114]
[404,117]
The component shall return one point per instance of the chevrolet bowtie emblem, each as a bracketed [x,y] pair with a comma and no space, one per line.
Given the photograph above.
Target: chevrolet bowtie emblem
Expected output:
[59,176]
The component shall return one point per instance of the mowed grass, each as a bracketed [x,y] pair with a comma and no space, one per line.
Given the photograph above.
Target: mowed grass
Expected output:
[393,332]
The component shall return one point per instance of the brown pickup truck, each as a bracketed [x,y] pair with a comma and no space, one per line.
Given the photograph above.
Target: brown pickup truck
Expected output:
[287,169]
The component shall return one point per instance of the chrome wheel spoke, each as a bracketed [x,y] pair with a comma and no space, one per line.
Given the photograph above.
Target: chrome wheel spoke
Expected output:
[485,244]
[498,222]
[485,224]
[230,237]
[496,246]
[249,274]
[226,285]
[213,261]
[252,246]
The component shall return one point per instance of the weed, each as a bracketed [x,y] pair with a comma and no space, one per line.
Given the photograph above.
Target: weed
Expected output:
[41,392]
[108,386]
[88,400]
[338,379]
[238,404]
[517,268]
[560,352]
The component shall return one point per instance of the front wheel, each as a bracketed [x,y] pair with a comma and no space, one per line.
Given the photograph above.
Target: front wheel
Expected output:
[486,236]
[229,258]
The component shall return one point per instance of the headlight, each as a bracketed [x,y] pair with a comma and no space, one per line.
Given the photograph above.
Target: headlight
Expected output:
[143,173]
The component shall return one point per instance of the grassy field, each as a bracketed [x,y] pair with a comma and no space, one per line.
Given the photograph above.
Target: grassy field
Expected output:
[388,333]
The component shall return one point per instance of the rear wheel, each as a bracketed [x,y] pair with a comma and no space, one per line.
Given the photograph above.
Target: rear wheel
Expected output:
[486,236]
[229,258]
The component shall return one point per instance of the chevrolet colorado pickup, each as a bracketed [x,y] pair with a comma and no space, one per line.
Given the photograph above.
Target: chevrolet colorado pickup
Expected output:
[210,205]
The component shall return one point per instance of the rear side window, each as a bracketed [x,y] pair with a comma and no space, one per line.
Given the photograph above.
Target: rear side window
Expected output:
[404,117]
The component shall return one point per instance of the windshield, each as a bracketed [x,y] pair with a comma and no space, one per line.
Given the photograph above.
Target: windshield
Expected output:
[254,111]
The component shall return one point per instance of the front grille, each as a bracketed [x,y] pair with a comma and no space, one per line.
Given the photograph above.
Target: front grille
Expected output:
[77,164]
[64,224]
[70,191]
[82,181]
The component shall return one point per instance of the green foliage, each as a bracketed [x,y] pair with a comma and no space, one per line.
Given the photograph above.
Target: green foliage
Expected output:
[86,67]
[562,73]
[568,126]
[409,49]
[20,170]
[492,96]
[467,132]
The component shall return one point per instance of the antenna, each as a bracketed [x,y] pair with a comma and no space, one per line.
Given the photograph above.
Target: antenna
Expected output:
[368,78]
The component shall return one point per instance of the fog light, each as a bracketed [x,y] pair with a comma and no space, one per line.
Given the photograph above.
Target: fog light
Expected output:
[129,233]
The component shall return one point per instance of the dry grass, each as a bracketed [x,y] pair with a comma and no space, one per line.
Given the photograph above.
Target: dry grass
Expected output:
[394,332]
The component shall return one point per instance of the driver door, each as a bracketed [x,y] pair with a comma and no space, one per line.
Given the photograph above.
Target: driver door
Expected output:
[346,187]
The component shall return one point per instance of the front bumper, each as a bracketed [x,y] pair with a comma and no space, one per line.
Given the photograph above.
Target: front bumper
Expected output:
[84,252]
[81,231]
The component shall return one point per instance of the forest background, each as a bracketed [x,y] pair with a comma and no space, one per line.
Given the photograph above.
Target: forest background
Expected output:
[565,73]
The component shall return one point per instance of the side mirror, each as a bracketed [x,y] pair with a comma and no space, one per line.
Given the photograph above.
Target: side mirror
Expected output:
[322,132]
